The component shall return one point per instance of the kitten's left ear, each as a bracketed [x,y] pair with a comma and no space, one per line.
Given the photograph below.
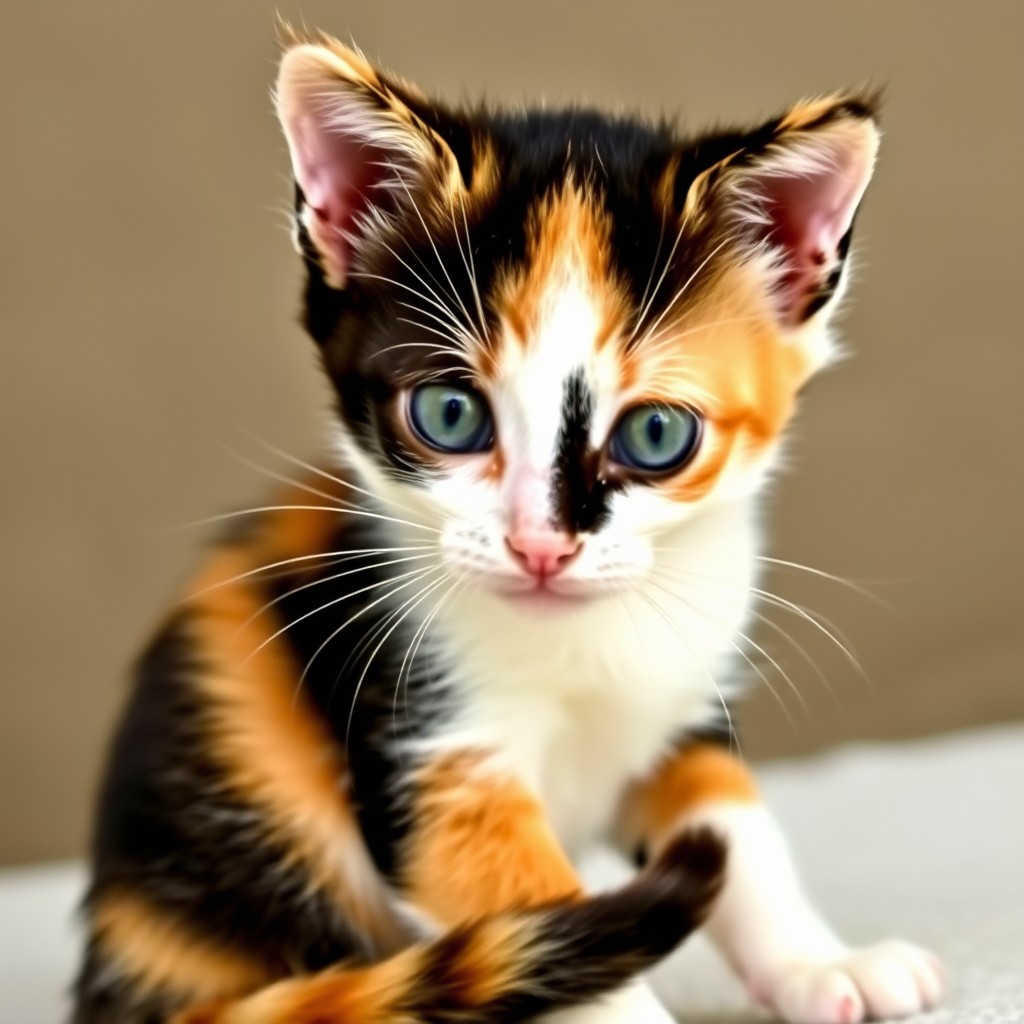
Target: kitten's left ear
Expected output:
[791,193]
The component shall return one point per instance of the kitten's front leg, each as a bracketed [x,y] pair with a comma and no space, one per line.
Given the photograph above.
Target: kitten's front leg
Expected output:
[763,924]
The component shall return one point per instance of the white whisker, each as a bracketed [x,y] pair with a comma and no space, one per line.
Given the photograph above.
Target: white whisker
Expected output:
[760,650]
[295,461]
[724,634]
[366,668]
[857,588]
[669,337]
[328,604]
[447,350]
[433,330]
[413,649]
[303,508]
[281,478]
[664,271]
[470,264]
[816,619]
[686,284]
[416,577]
[457,334]
[650,277]
[733,737]
[820,623]
[444,269]
[262,570]
[408,288]
[320,580]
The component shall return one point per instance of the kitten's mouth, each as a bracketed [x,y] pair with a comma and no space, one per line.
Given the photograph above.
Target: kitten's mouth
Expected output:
[547,594]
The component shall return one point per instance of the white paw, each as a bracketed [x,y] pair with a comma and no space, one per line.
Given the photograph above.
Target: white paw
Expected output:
[892,979]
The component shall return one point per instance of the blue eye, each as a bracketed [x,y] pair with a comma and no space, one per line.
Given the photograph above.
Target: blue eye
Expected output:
[451,419]
[655,438]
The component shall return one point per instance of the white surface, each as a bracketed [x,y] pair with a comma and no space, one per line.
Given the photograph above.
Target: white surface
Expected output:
[923,840]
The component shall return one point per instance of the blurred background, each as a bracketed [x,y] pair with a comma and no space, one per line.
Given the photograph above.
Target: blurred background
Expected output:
[148,300]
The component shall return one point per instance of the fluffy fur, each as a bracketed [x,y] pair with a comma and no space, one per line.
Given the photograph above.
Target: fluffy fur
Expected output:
[394,708]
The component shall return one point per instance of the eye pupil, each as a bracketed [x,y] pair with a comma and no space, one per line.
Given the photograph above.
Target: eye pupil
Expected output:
[452,411]
[656,429]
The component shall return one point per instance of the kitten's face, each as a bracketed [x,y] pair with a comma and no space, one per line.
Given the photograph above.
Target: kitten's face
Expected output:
[556,338]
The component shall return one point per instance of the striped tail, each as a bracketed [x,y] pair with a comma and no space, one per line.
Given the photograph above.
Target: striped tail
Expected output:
[510,967]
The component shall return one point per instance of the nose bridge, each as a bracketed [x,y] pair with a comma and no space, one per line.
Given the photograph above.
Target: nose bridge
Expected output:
[530,500]
[540,546]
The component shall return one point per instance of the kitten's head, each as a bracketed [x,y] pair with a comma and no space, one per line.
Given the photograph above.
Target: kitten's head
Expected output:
[558,337]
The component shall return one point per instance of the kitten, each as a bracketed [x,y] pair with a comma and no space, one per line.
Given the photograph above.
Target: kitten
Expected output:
[394,709]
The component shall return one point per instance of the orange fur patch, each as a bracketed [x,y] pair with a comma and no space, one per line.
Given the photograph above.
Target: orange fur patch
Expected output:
[494,469]
[568,245]
[306,520]
[481,844]
[163,955]
[275,750]
[477,972]
[365,995]
[697,774]
[494,958]
[724,356]
[810,112]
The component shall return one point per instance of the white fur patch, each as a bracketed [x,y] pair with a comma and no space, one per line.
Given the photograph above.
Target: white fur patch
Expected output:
[783,950]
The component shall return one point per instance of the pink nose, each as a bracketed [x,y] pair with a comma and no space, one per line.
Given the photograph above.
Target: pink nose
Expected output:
[542,553]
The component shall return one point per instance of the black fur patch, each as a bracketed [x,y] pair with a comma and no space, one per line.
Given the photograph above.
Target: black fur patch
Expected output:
[579,493]
[164,794]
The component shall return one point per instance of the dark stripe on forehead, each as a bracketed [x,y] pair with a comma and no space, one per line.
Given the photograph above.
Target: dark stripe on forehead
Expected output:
[580,498]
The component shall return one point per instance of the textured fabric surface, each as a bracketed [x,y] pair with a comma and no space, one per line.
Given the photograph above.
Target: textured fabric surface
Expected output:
[924,841]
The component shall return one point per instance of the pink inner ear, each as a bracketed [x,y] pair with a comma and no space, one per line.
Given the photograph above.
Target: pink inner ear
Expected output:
[337,174]
[810,214]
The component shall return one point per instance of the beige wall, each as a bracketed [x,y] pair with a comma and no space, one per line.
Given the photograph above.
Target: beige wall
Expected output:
[147,314]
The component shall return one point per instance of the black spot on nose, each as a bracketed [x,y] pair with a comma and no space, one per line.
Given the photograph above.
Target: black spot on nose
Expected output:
[580,497]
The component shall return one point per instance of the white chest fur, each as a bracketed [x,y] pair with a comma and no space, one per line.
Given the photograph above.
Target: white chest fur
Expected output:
[576,727]
[577,704]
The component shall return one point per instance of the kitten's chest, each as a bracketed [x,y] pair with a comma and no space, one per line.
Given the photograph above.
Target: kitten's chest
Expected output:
[597,744]
[578,741]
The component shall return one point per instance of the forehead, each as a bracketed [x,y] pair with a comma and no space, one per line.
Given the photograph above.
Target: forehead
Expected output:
[558,314]
[566,257]
[564,301]
[562,216]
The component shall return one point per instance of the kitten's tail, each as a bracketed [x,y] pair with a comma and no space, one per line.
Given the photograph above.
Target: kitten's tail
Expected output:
[513,966]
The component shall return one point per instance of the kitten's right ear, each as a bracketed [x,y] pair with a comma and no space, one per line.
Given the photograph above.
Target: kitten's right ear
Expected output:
[359,152]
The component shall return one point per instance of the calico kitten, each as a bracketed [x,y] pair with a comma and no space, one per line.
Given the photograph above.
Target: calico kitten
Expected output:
[362,756]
